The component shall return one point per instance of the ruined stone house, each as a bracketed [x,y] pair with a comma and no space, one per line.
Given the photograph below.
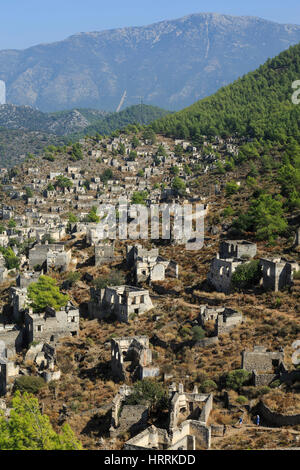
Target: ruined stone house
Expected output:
[123,302]
[53,256]
[237,249]
[104,252]
[25,278]
[232,253]
[188,429]
[11,340]
[8,373]
[220,273]
[18,301]
[134,355]
[225,318]
[277,273]
[148,265]
[264,365]
[49,326]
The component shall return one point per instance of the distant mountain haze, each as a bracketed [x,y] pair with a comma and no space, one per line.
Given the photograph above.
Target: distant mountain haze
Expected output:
[170,64]
[25,129]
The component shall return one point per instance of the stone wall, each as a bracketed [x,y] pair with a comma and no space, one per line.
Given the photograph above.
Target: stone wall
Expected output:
[227,320]
[104,253]
[260,380]
[11,337]
[261,360]
[277,273]
[49,326]
[133,419]
[8,372]
[220,273]
[275,419]
[237,249]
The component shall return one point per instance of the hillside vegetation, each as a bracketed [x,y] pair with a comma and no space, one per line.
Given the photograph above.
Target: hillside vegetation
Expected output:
[26,130]
[138,114]
[257,105]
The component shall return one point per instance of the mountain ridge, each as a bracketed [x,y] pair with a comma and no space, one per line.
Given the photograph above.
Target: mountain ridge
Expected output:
[24,129]
[170,64]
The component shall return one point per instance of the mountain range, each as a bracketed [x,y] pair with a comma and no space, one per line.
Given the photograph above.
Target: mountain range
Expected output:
[170,64]
[60,123]
[24,129]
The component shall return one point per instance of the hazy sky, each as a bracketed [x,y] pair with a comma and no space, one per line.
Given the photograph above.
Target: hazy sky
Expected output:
[28,22]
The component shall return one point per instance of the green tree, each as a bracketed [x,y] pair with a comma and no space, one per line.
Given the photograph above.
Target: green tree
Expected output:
[132,156]
[289,178]
[208,386]
[139,197]
[11,260]
[72,218]
[45,293]
[149,134]
[63,182]
[76,152]
[198,333]
[266,216]
[174,170]
[231,188]
[178,185]
[49,157]
[29,192]
[122,149]
[247,275]
[114,278]
[27,428]
[148,391]
[220,168]
[178,151]
[235,379]
[161,151]
[12,223]
[135,142]
[30,384]
[47,239]
[73,277]
[93,216]
[106,175]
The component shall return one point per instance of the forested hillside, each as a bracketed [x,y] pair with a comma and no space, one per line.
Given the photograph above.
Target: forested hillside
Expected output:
[138,114]
[256,105]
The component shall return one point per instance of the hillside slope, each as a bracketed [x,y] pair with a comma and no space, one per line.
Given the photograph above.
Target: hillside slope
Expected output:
[171,63]
[256,105]
[24,129]
[138,114]
[63,123]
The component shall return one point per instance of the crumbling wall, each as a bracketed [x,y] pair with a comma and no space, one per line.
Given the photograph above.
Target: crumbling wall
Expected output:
[237,249]
[104,253]
[277,273]
[220,273]
[261,360]
[276,419]
[260,380]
